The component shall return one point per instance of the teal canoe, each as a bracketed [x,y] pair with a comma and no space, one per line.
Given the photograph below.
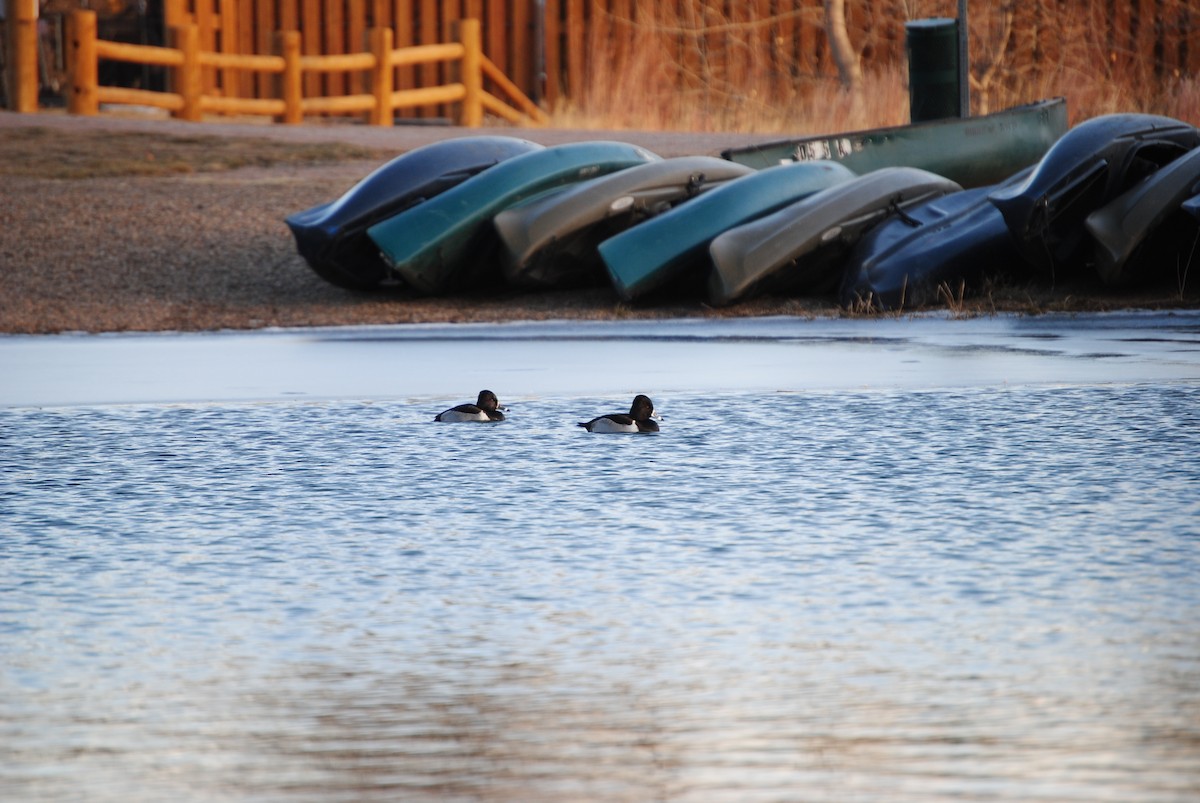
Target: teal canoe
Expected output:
[970,151]
[445,244]
[650,254]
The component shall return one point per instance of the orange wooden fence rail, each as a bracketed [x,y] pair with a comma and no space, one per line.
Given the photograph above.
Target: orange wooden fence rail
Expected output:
[287,67]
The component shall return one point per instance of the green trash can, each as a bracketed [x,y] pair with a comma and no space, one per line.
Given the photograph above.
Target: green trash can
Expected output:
[932,46]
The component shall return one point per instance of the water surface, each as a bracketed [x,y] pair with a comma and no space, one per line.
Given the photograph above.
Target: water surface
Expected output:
[968,593]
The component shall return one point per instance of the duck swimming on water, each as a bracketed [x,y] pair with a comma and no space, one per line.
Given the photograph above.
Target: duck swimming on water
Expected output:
[639,419]
[485,408]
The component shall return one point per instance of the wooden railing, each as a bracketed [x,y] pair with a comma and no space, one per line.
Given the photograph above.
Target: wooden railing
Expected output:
[189,99]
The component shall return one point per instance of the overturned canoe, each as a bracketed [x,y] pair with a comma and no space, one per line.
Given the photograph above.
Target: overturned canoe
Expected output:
[940,245]
[551,240]
[777,251]
[650,254]
[444,244]
[332,237]
[1093,163]
[972,151]
[1125,225]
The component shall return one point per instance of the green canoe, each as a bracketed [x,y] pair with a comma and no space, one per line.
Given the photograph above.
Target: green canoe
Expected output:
[971,151]
[651,253]
[444,244]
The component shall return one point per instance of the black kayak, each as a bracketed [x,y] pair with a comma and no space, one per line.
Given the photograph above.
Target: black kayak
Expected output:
[1138,232]
[941,245]
[332,237]
[1089,166]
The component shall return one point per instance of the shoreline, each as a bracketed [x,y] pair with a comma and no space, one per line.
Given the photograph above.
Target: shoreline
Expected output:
[202,249]
[678,358]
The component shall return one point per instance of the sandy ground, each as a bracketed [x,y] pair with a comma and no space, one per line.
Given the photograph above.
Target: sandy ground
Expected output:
[209,250]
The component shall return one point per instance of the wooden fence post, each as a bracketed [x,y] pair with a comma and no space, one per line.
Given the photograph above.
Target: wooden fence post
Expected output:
[82,69]
[471,73]
[23,55]
[291,90]
[381,76]
[188,81]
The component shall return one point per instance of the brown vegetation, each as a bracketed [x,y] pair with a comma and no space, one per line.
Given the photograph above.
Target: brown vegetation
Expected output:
[703,65]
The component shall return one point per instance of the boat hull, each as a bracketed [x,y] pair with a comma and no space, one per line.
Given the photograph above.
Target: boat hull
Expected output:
[447,243]
[651,254]
[939,246]
[1137,218]
[332,237]
[799,248]
[971,151]
[1093,163]
[552,241]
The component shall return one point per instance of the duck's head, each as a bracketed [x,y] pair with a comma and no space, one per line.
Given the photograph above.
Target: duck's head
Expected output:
[642,408]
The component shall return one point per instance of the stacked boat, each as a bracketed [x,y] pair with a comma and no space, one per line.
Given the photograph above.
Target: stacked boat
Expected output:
[891,229]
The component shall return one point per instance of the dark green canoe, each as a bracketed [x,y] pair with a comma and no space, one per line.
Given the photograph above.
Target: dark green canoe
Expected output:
[445,244]
[971,151]
[651,253]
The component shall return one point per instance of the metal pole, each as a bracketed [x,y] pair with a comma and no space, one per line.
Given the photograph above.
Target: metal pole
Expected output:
[539,55]
[964,62]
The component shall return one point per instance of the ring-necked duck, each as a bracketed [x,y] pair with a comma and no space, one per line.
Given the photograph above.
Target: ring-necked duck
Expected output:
[485,408]
[639,419]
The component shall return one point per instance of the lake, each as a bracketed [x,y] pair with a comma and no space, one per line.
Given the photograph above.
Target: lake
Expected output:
[905,559]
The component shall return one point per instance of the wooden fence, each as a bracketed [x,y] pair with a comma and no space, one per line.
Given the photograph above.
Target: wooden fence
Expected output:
[286,69]
[550,47]
[553,49]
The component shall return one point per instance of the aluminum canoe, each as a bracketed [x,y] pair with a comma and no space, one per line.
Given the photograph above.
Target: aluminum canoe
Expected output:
[799,248]
[647,256]
[1091,165]
[332,237]
[972,151]
[1148,214]
[447,244]
[551,240]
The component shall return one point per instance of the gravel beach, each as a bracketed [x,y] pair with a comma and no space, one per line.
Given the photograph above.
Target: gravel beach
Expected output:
[198,249]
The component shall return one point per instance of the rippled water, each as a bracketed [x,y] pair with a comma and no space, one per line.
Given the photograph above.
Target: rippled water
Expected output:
[985,594]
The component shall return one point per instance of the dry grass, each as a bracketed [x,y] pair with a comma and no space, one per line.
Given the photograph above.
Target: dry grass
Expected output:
[698,65]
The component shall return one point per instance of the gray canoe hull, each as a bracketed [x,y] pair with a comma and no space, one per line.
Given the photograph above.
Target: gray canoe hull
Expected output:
[551,240]
[772,250]
[1123,225]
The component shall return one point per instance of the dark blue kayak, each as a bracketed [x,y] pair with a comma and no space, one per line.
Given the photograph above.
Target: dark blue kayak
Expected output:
[332,237]
[933,247]
[1088,167]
